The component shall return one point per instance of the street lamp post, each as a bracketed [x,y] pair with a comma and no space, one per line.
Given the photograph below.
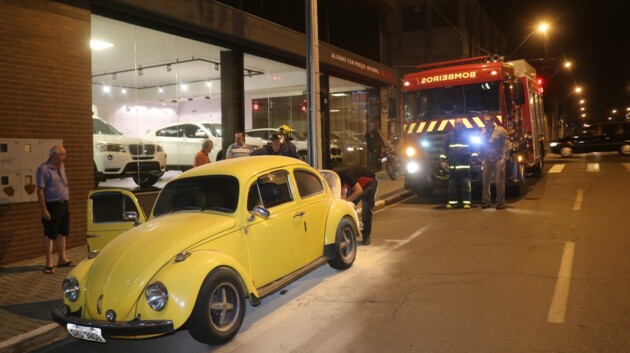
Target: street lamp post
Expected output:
[577,90]
[543,28]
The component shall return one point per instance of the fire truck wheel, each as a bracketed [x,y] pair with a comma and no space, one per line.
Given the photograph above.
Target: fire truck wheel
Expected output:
[537,171]
[566,151]
[520,188]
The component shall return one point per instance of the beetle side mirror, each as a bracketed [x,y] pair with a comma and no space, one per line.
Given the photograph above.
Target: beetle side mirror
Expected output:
[131,216]
[260,211]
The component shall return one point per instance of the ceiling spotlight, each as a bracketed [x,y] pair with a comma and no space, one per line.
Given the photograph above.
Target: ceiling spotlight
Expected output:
[184,87]
[209,84]
[168,67]
[160,89]
[123,90]
[105,89]
[216,66]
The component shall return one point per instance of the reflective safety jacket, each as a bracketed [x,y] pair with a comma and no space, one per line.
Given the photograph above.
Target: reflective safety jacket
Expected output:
[456,149]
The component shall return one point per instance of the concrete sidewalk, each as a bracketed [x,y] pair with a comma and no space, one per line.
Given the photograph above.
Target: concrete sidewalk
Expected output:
[27,295]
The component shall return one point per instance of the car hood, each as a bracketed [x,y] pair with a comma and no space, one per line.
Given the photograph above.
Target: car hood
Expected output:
[125,266]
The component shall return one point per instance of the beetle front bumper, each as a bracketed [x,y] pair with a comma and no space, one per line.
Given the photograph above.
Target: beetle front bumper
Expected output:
[116,329]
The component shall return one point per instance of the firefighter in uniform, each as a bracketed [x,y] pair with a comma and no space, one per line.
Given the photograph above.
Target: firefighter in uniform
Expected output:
[288,147]
[456,152]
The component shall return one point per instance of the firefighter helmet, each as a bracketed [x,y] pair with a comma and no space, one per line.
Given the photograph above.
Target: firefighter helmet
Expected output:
[285,130]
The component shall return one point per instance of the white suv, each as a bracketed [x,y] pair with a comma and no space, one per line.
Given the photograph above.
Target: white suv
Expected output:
[117,156]
[182,141]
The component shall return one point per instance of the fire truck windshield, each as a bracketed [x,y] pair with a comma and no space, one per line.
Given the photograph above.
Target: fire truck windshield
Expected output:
[444,102]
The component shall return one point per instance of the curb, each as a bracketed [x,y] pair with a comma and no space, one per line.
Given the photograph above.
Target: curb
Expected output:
[33,339]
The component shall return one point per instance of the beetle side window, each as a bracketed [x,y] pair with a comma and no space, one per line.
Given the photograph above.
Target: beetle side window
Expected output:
[110,207]
[307,183]
[270,190]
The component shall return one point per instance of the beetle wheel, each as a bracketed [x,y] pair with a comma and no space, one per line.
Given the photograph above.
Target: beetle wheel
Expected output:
[345,245]
[220,308]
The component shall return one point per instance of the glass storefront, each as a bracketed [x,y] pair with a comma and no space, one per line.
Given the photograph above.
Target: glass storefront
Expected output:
[167,89]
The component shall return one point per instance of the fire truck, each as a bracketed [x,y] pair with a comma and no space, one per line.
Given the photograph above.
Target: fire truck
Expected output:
[472,89]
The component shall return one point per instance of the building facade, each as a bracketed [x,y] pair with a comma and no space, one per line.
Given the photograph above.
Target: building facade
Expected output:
[143,64]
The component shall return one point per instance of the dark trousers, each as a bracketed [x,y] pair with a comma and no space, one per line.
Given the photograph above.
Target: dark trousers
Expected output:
[368,200]
[459,181]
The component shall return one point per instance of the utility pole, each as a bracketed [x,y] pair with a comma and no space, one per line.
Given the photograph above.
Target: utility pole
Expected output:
[313,104]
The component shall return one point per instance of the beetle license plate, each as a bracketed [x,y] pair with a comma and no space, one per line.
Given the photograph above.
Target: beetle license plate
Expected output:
[86,333]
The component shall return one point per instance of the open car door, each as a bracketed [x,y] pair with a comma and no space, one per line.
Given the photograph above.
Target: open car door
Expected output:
[110,212]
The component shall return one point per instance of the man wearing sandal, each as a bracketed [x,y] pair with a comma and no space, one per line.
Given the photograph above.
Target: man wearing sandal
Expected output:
[53,195]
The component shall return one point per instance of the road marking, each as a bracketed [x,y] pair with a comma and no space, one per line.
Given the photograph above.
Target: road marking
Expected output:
[627,166]
[592,167]
[558,307]
[556,168]
[413,236]
[578,200]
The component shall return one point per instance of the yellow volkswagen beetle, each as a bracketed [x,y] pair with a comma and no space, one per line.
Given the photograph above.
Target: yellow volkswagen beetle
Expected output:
[219,233]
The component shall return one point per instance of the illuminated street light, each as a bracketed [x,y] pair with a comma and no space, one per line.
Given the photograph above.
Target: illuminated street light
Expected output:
[582,101]
[578,89]
[542,28]
[584,115]
[614,111]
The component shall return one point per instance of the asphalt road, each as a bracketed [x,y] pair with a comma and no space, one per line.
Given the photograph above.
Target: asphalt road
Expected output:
[551,273]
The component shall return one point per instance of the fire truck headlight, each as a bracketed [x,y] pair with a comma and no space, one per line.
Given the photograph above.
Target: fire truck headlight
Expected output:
[425,143]
[412,167]
[475,140]
[410,151]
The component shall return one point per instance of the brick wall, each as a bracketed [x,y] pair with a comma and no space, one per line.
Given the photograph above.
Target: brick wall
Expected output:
[45,93]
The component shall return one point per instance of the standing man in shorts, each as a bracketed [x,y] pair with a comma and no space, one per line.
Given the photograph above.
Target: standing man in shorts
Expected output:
[53,195]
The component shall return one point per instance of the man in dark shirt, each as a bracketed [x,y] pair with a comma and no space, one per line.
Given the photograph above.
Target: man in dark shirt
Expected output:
[274,147]
[361,185]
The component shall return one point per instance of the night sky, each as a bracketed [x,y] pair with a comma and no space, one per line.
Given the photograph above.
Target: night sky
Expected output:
[593,35]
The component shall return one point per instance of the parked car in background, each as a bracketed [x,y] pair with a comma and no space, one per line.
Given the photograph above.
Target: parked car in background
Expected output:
[597,137]
[262,136]
[117,156]
[182,141]
[353,148]
[207,247]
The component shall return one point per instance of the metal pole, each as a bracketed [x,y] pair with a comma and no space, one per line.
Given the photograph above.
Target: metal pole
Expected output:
[313,104]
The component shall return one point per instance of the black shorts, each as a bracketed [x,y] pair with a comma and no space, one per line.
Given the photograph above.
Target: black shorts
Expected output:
[59,222]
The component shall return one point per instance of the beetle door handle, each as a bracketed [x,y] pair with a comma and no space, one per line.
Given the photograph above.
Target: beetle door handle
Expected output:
[91,236]
[298,214]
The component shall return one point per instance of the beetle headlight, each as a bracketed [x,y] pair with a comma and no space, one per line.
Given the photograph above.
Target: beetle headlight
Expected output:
[70,289]
[157,296]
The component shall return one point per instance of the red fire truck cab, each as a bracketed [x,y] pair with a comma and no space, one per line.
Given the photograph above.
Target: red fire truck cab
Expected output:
[471,89]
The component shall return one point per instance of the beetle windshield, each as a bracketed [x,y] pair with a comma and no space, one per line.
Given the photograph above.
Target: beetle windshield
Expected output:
[205,193]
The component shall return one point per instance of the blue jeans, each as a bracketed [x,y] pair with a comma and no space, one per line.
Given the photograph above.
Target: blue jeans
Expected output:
[368,200]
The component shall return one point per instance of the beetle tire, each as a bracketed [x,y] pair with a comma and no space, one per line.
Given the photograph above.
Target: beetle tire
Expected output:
[345,245]
[220,308]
